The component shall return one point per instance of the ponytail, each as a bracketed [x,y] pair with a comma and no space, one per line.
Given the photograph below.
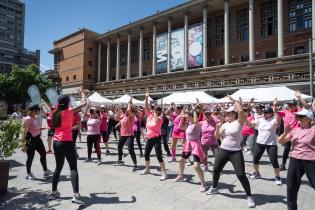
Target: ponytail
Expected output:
[56,116]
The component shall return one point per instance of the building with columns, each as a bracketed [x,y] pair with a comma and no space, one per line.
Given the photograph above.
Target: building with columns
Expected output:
[213,45]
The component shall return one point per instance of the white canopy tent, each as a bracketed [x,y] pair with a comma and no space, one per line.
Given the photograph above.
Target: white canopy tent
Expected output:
[97,99]
[282,93]
[188,98]
[126,98]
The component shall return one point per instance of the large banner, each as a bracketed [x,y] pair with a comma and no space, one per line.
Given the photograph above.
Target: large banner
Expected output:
[177,49]
[161,53]
[195,42]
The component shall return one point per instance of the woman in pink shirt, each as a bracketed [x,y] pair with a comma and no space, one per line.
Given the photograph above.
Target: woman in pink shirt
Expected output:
[174,112]
[208,140]
[32,141]
[126,121]
[192,147]
[248,132]
[154,134]
[93,135]
[302,154]
[64,147]
[104,127]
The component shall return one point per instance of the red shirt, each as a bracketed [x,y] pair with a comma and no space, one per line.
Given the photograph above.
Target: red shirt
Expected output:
[103,126]
[64,132]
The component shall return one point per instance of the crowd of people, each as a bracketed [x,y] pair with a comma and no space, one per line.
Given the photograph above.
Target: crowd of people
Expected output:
[227,130]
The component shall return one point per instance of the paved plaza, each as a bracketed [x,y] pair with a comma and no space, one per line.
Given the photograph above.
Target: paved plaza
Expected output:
[111,187]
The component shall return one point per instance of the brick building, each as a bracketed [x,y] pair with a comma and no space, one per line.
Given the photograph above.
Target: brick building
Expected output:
[217,46]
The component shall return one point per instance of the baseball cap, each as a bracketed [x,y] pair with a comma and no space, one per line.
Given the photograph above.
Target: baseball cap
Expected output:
[33,107]
[102,106]
[231,109]
[268,109]
[292,102]
[63,100]
[304,112]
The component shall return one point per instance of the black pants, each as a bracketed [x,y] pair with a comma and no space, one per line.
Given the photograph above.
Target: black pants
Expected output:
[272,151]
[93,139]
[137,135]
[237,160]
[297,168]
[75,134]
[104,136]
[156,143]
[35,143]
[66,150]
[286,151]
[131,149]
[165,144]
[111,127]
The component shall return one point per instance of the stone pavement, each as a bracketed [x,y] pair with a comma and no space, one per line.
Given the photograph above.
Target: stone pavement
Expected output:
[110,187]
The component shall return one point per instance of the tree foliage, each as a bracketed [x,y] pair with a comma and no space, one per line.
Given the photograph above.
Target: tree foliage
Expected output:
[13,86]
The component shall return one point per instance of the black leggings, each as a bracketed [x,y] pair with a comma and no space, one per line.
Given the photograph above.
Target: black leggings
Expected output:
[93,139]
[35,143]
[286,151]
[62,150]
[75,134]
[297,168]
[137,135]
[272,151]
[131,149]
[156,143]
[165,145]
[111,127]
[237,160]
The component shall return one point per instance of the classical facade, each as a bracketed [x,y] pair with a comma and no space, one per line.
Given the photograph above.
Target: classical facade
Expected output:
[217,46]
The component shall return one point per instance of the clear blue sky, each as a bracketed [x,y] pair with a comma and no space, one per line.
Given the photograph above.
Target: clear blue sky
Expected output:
[49,20]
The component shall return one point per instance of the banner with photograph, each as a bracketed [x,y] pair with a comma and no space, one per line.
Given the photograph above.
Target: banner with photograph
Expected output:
[161,53]
[177,49]
[195,45]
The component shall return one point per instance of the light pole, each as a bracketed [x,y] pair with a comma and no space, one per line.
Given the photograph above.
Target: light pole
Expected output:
[311,66]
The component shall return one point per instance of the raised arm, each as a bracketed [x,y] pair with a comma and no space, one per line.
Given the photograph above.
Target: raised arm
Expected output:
[275,112]
[146,104]
[240,110]
[218,133]
[169,109]
[285,137]
[302,101]
[129,108]
[78,108]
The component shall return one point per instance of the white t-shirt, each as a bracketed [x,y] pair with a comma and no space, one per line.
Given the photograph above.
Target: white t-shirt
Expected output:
[266,131]
[231,136]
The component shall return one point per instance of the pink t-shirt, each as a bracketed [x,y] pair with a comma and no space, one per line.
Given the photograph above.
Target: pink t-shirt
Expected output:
[103,126]
[177,132]
[193,132]
[126,125]
[208,130]
[153,128]
[93,126]
[32,125]
[76,119]
[247,130]
[64,132]
[289,117]
[303,143]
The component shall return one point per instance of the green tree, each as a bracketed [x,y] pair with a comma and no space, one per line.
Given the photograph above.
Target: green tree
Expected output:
[13,86]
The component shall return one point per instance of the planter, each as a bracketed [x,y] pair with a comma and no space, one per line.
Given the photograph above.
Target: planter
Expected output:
[4,176]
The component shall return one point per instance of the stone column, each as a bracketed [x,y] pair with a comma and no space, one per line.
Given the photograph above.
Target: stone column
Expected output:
[118,59]
[251,29]
[129,55]
[154,49]
[280,28]
[226,33]
[169,30]
[108,62]
[141,53]
[99,61]
[205,41]
[186,41]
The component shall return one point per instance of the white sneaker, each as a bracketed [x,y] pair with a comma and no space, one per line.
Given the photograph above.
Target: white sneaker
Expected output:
[53,195]
[212,191]
[250,202]
[163,177]
[47,173]
[30,176]
[278,181]
[189,163]
[99,162]
[245,149]
[172,159]
[88,160]
[77,199]
[249,152]
[145,171]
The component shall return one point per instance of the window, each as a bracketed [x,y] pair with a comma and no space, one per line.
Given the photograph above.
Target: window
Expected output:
[300,15]
[242,24]
[90,51]
[89,76]
[113,77]
[272,54]
[208,33]
[244,58]
[123,55]
[90,63]
[67,78]
[268,18]
[113,57]
[123,76]
[300,50]
[219,30]
[134,52]
[146,49]
[74,77]
[221,61]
